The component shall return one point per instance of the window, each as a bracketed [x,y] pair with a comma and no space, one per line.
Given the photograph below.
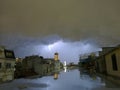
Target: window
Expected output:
[0,65]
[114,62]
[8,65]
[9,54]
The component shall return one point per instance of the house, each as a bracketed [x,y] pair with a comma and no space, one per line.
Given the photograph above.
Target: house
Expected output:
[112,59]
[37,65]
[18,68]
[100,60]
[7,63]
[100,64]
[44,67]
[29,63]
[41,66]
[108,61]
[88,62]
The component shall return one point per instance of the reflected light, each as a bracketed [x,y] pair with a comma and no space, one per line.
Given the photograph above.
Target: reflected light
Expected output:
[55,76]
[65,69]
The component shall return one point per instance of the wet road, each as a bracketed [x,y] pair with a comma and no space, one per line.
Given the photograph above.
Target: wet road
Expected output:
[64,80]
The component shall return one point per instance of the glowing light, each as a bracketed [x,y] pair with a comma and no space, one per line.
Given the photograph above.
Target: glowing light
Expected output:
[65,63]
[54,45]
[65,69]
[50,46]
[69,51]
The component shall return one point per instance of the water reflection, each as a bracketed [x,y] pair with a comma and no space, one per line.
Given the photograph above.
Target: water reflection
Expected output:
[84,73]
[72,81]
[75,79]
[56,75]
[65,69]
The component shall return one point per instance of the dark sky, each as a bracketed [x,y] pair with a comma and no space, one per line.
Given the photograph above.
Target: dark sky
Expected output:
[35,21]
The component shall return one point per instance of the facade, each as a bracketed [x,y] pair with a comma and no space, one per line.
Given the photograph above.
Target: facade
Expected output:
[101,64]
[108,61]
[7,63]
[18,68]
[100,61]
[29,65]
[37,65]
[56,62]
[88,62]
[44,67]
[112,59]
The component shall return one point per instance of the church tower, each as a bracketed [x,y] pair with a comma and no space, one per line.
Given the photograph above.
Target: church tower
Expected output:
[56,62]
[56,56]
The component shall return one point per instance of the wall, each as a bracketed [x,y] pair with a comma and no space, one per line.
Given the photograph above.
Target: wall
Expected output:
[7,74]
[109,67]
[101,64]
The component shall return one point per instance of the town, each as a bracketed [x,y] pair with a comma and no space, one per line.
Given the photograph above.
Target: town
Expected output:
[106,64]
[60,44]
[12,68]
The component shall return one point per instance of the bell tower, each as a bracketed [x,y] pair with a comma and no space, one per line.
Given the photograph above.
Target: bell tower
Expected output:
[56,56]
[56,62]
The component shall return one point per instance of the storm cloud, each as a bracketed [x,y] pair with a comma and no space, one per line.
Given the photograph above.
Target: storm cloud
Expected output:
[25,24]
[73,19]
[68,50]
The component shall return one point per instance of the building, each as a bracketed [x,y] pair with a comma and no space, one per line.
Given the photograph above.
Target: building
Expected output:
[108,61]
[56,56]
[7,63]
[100,60]
[100,64]
[112,59]
[56,61]
[29,65]
[18,68]
[37,65]
[88,62]
[46,66]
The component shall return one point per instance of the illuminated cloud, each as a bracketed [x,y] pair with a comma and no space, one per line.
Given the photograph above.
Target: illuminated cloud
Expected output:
[68,50]
[70,27]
